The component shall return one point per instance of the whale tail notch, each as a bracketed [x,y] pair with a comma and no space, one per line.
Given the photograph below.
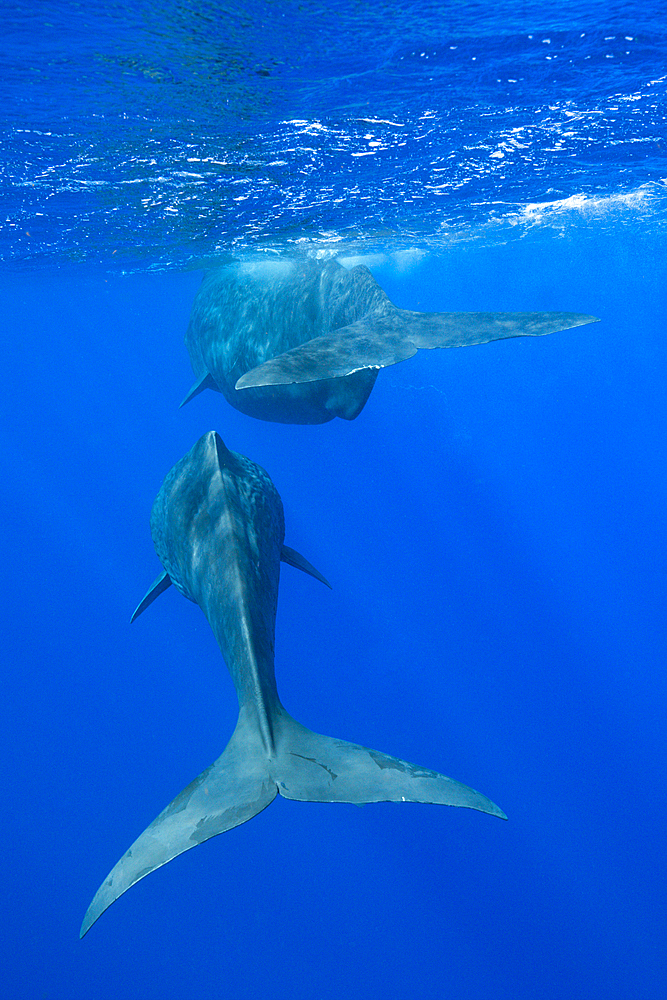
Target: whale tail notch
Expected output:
[302,765]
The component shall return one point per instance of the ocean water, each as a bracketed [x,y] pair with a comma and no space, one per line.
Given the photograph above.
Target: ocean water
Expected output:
[492,523]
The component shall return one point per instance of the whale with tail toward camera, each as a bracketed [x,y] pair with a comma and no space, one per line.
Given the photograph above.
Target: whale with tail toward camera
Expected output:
[218,528]
[301,341]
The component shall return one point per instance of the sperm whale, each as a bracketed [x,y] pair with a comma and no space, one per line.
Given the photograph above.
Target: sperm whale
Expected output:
[218,529]
[302,340]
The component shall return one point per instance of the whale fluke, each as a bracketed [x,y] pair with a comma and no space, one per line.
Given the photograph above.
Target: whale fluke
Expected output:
[218,529]
[229,792]
[380,341]
[304,766]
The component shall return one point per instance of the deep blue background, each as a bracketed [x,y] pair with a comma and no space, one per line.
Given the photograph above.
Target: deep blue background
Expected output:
[493,527]
[492,524]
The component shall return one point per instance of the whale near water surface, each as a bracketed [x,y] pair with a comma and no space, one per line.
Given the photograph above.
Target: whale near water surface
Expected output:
[301,340]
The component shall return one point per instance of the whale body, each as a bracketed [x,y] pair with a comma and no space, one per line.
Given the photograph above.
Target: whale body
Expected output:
[218,528]
[302,341]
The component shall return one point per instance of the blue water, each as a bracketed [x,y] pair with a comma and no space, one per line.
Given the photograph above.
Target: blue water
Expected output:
[492,524]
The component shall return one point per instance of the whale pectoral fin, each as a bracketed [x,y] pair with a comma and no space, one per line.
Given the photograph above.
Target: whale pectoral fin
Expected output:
[229,792]
[205,382]
[315,768]
[295,558]
[156,588]
[379,341]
